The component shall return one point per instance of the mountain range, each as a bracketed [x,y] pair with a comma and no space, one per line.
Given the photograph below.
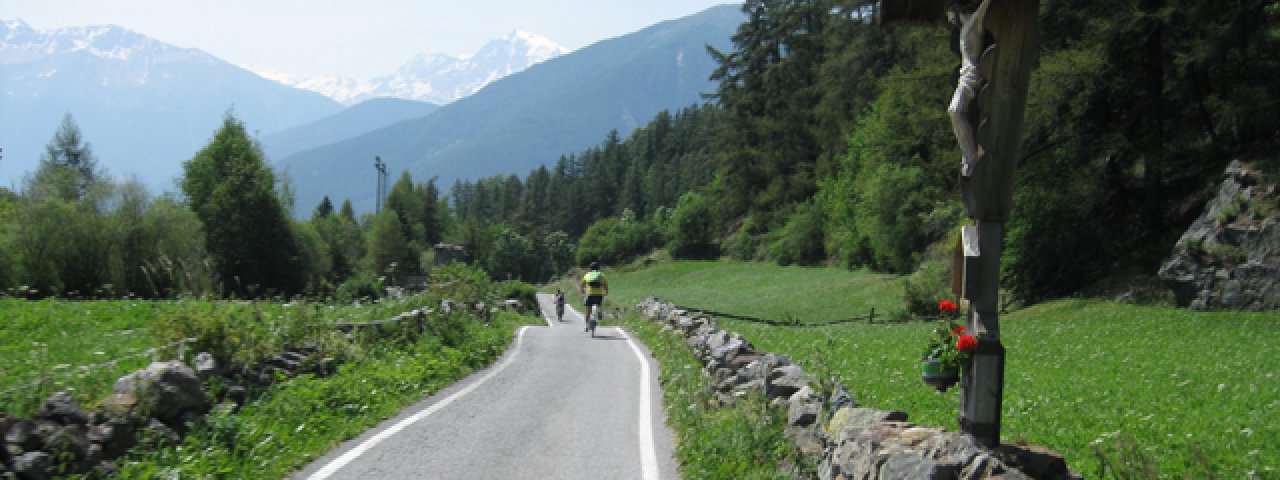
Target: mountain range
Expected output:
[146,106]
[559,107]
[435,77]
[143,105]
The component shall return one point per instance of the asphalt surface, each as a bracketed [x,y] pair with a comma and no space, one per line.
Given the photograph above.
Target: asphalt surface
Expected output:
[558,405]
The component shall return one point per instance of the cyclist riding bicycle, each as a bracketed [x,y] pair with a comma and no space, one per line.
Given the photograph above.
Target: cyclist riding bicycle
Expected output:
[559,301]
[595,287]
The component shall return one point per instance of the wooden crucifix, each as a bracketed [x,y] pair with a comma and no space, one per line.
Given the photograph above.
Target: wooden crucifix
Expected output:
[997,43]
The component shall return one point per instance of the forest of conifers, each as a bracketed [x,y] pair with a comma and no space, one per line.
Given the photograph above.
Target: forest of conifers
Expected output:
[826,142]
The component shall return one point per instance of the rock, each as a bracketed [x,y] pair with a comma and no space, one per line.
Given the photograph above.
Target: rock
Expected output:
[804,407]
[785,381]
[159,432]
[33,465]
[165,390]
[743,360]
[849,422]
[116,437]
[69,447]
[1229,258]
[840,398]
[119,405]
[63,408]
[808,440]
[1036,461]
[22,433]
[206,366]
[915,467]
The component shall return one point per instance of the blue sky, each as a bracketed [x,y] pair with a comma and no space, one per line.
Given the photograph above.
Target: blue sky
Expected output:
[351,38]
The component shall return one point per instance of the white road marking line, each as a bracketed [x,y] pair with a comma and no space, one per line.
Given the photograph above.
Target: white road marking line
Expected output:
[648,459]
[352,454]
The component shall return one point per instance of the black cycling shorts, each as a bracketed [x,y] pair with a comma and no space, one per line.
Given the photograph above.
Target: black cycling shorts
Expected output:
[594,299]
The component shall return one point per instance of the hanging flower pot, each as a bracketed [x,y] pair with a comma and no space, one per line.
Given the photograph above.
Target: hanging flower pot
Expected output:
[939,374]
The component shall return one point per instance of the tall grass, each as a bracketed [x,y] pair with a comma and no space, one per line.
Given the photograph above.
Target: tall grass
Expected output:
[1116,388]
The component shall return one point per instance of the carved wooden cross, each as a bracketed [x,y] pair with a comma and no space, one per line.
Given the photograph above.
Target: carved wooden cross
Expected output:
[986,180]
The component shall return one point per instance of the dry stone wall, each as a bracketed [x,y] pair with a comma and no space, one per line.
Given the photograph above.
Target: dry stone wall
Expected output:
[847,441]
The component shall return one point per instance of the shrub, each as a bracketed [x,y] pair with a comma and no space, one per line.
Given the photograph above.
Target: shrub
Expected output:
[361,287]
[800,241]
[617,240]
[691,228]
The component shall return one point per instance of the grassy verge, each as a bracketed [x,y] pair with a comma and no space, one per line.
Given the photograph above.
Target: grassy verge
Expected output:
[1121,390]
[296,421]
[741,441]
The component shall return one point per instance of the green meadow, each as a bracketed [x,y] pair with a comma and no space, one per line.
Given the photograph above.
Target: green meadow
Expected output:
[1121,390]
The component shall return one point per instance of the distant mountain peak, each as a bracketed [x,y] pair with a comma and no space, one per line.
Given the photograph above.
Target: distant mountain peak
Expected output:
[437,77]
[23,44]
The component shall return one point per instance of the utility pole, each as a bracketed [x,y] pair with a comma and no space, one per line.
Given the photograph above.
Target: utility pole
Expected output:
[382,183]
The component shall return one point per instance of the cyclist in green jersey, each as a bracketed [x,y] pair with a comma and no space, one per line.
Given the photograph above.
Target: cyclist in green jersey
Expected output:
[595,287]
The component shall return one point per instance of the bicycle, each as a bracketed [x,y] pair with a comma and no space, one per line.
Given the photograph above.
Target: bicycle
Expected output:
[594,320]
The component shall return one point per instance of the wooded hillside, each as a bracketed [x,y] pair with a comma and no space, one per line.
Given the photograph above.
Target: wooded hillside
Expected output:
[827,141]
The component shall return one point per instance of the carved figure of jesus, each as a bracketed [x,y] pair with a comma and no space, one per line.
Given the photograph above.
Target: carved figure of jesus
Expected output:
[971,50]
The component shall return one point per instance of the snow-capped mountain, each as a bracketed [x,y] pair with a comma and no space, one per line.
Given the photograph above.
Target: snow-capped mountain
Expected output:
[435,77]
[23,44]
[144,106]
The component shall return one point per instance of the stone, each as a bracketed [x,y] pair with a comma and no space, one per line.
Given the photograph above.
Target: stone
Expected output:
[743,360]
[1036,461]
[785,381]
[849,422]
[916,467]
[165,390]
[22,433]
[33,466]
[840,398]
[62,407]
[804,408]
[808,439]
[116,437]
[69,447]
[119,405]
[206,366]
[159,432]
[1226,261]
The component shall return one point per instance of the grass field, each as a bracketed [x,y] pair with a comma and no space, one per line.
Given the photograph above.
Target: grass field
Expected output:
[810,295]
[82,347]
[1121,390]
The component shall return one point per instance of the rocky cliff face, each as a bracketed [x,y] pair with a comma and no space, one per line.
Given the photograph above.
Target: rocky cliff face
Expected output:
[1229,259]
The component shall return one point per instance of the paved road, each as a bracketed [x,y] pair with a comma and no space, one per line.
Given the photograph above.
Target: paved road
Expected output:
[559,404]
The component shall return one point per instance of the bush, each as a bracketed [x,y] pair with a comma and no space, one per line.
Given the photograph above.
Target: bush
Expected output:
[617,240]
[746,243]
[801,240]
[527,294]
[691,228]
[929,284]
[362,287]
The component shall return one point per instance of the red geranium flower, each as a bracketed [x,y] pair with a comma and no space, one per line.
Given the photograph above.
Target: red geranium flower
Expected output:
[966,343]
[947,306]
[958,330]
